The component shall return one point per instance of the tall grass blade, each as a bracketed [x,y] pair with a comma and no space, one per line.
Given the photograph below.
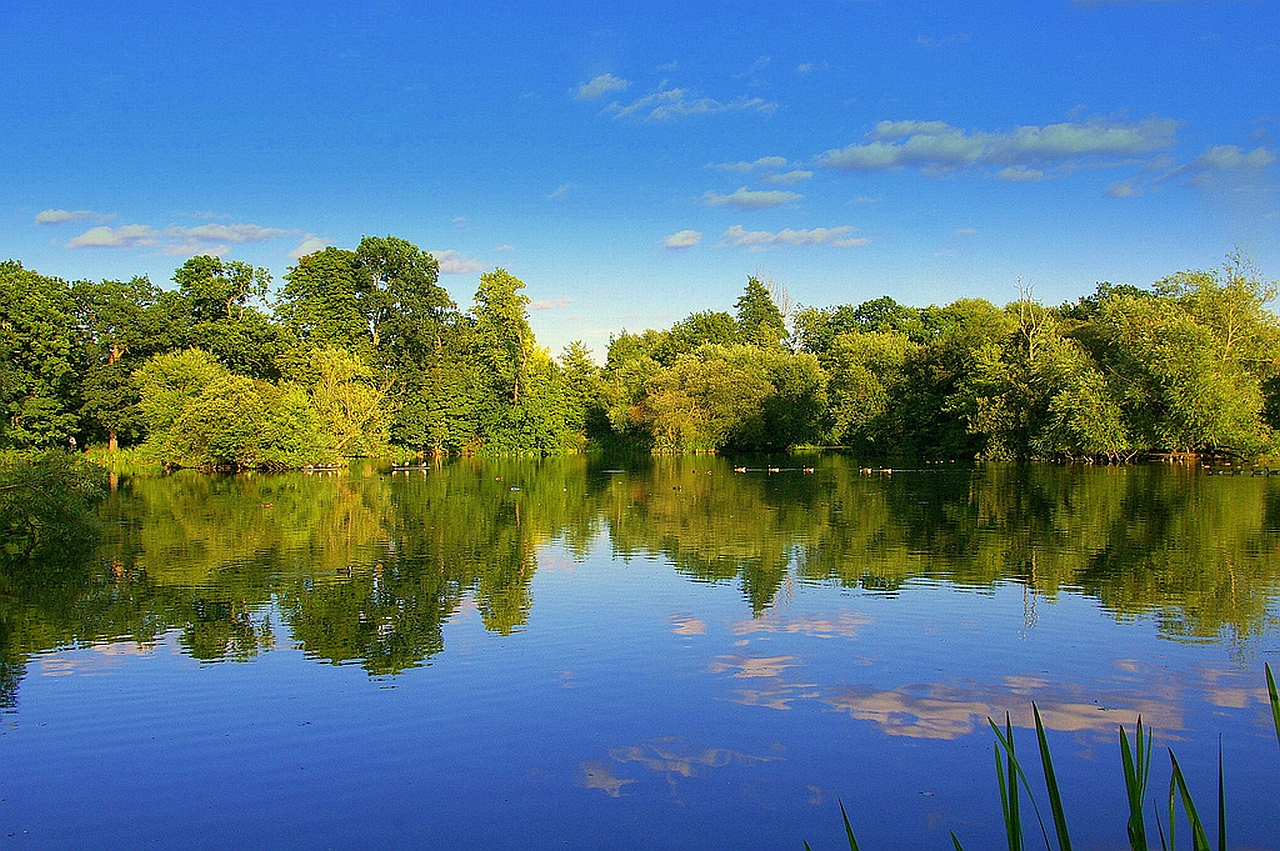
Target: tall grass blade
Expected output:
[1275,699]
[1136,772]
[848,831]
[1009,793]
[1199,841]
[1222,803]
[956,842]
[1015,768]
[1051,783]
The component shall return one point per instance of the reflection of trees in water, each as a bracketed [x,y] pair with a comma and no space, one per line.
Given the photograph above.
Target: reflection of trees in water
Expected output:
[368,568]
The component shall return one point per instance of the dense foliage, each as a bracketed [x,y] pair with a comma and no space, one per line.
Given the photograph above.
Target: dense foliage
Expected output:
[360,351]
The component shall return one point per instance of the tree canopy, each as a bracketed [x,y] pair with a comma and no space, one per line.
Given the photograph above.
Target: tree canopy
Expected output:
[362,351]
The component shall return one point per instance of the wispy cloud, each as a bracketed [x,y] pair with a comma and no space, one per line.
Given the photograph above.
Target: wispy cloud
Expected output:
[125,236]
[750,199]
[599,87]
[214,239]
[682,239]
[1223,158]
[839,237]
[935,147]
[669,104]
[176,239]
[1219,165]
[57,217]
[453,263]
[1020,174]
[561,190]
[551,303]
[1124,189]
[790,178]
[745,167]
[309,244]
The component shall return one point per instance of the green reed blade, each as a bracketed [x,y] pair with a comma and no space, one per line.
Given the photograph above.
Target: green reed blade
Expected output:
[1051,783]
[1015,768]
[1275,699]
[1137,770]
[848,831]
[1222,803]
[1199,841]
[1009,793]
[956,842]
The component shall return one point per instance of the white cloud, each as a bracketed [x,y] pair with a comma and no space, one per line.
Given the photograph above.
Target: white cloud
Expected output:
[790,178]
[214,239]
[310,244]
[744,167]
[505,248]
[1228,158]
[965,232]
[600,86]
[667,104]
[125,236]
[750,199]
[55,217]
[453,263]
[551,303]
[562,189]
[935,147]
[839,237]
[176,239]
[682,239]
[1020,174]
[1123,189]
[236,234]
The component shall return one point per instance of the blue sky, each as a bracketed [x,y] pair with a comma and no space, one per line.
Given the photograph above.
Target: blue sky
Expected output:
[635,162]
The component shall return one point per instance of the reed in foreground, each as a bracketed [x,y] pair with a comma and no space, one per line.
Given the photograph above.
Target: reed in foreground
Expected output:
[1136,761]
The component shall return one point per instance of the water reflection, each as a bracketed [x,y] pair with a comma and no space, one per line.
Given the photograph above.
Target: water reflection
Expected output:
[366,568]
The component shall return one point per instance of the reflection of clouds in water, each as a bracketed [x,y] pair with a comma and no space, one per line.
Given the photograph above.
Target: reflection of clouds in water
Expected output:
[778,697]
[100,658]
[686,624]
[846,625]
[671,757]
[753,666]
[936,711]
[900,713]
[596,775]
[1220,691]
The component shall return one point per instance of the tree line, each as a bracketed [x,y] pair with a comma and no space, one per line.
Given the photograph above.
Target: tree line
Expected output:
[361,352]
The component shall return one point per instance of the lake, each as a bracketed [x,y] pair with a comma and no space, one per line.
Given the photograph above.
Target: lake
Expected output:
[660,653]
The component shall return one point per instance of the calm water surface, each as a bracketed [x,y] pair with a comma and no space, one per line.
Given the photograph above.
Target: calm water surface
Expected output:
[656,655]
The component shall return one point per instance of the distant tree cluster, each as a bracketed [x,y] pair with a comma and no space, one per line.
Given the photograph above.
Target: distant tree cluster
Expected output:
[362,350]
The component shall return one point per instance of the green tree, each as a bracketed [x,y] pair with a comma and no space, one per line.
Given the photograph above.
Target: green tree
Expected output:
[351,407]
[320,303]
[760,323]
[42,359]
[214,309]
[119,326]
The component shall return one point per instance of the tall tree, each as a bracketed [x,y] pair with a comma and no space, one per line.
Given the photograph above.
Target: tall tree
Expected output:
[760,322]
[215,309]
[41,359]
[120,328]
[320,302]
